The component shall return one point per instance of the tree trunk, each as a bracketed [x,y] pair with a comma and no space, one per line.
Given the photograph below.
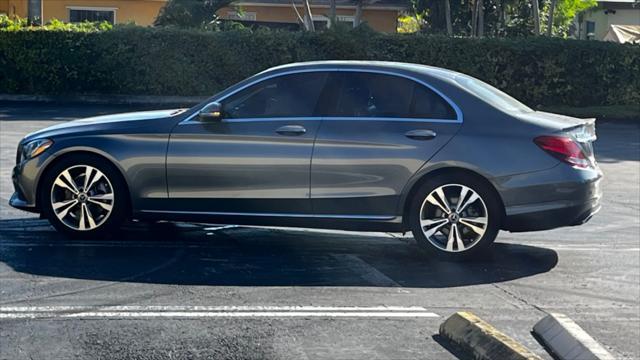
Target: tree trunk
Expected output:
[308,17]
[447,15]
[536,16]
[301,20]
[357,20]
[474,18]
[332,12]
[480,18]
[552,9]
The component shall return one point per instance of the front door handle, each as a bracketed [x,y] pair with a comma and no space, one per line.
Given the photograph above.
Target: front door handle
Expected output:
[421,134]
[291,130]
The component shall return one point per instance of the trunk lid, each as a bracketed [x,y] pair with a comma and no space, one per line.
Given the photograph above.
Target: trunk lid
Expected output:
[581,131]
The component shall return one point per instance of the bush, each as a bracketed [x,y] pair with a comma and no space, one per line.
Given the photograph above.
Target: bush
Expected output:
[16,23]
[156,61]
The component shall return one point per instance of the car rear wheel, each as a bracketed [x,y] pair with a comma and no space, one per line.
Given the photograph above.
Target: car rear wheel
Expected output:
[84,196]
[455,217]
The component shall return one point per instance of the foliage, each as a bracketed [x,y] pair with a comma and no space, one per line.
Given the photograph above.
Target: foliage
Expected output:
[191,13]
[409,24]
[16,23]
[169,61]
[502,18]
[564,14]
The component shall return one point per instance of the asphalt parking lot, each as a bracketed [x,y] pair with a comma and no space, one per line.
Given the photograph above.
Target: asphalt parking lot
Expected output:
[202,291]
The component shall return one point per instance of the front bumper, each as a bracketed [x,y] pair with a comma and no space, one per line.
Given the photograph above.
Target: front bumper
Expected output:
[557,197]
[19,203]
[24,178]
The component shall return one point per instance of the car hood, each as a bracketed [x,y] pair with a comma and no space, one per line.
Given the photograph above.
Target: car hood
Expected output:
[555,122]
[104,123]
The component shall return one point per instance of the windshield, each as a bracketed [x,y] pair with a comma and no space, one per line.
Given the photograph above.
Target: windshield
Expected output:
[492,95]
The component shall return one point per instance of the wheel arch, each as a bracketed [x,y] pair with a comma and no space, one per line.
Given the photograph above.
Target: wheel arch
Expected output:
[75,152]
[444,170]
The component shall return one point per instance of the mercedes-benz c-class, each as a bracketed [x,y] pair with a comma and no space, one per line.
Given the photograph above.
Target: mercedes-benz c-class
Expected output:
[350,145]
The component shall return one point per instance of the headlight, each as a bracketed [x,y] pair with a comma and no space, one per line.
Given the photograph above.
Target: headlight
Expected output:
[34,148]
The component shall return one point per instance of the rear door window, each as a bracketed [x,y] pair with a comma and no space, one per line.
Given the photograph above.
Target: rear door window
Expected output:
[364,94]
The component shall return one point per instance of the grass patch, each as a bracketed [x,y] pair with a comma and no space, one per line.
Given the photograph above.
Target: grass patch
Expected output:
[611,112]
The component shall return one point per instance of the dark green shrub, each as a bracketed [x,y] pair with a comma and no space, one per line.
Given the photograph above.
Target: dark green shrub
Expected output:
[155,61]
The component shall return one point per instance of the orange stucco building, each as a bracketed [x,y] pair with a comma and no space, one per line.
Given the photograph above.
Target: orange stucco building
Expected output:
[381,15]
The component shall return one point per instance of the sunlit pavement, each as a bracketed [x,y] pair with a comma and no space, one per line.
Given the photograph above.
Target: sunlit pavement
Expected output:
[202,291]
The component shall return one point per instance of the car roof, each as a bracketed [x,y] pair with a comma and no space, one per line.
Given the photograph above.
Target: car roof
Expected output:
[440,73]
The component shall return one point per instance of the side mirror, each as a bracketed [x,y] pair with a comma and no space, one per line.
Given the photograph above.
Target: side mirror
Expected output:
[211,112]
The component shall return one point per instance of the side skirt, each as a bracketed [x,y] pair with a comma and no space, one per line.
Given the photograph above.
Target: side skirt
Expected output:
[338,222]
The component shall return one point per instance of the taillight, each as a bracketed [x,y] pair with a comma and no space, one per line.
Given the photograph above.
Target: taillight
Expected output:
[565,149]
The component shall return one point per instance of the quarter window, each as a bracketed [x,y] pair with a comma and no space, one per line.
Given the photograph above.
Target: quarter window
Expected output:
[294,95]
[429,105]
[362,94]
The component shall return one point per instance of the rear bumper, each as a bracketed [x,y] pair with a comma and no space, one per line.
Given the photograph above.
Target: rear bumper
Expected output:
[551,219]
[557,197]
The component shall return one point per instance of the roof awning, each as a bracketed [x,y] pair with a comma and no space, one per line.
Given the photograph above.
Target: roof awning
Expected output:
[623,34]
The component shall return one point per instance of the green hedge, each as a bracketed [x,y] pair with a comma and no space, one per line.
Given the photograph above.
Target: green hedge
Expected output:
[134,60]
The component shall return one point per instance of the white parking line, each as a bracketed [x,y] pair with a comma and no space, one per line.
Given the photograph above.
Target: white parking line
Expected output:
[34,312]
[62,308]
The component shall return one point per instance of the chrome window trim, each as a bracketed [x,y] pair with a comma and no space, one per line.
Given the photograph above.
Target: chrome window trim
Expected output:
[456,108]
[292,215]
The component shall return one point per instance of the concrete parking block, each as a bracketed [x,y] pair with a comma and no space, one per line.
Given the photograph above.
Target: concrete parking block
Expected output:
[567,340]
[483,341]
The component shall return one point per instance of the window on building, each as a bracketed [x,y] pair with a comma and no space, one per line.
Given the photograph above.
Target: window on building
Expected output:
[77,15]
[321,22]
[591,29]
[243,15]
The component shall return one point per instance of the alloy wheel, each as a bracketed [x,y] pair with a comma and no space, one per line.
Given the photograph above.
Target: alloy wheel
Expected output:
[453,217]
[82,197]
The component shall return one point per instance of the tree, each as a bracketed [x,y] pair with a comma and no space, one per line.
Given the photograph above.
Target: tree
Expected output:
[477,18]
[357,19]
[190,13]
[552,8]
[535,6]
[561,14]
[332,13]
[494,18]
[307,20]
[447,16]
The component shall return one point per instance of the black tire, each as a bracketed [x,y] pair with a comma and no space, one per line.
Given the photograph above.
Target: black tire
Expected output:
[120,205]
[493,209]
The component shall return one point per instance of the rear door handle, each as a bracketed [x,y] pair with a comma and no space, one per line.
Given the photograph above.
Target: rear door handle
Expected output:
[421,134]
[291,130]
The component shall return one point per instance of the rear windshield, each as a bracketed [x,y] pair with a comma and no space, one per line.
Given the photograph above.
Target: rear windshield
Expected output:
[491,95]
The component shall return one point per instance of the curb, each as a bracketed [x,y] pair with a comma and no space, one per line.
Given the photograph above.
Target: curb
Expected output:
[107,99]
[477,337]
[567,340]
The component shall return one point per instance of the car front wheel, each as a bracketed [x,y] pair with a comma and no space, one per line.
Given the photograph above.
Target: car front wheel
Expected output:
[83,196]
[455,217]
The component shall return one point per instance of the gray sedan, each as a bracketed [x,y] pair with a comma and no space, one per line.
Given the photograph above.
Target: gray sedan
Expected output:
[337,144]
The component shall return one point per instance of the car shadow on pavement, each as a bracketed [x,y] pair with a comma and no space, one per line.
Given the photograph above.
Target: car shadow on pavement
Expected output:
[186,254]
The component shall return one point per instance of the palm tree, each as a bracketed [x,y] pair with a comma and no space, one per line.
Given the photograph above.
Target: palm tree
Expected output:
[357,19]
[552,8]
[447,15]
[332,12]
[536,16]
[307,20]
